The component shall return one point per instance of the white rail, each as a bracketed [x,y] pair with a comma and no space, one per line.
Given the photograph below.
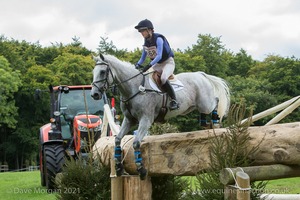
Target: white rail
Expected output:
[287,108]
[280,196]
[108,121]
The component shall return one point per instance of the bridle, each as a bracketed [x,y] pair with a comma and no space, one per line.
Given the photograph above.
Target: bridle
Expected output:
[103,80]
[115,84]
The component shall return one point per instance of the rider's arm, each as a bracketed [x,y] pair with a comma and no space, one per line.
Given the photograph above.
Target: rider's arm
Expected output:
[143,57]
[159,51]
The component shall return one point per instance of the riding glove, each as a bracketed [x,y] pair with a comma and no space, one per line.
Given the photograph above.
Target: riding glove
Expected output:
[138,66]
[146,67]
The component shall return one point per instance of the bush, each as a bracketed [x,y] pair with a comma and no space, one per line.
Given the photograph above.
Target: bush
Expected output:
[228,150]
[84,178]
[167,187]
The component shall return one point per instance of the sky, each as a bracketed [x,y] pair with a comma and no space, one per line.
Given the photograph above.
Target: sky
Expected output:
[261,27]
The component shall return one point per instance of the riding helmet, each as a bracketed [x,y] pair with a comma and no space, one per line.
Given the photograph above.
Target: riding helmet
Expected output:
[144,24]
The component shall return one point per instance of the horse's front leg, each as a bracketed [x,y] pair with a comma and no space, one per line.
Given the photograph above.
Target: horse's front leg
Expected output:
[125,128]
[144,125]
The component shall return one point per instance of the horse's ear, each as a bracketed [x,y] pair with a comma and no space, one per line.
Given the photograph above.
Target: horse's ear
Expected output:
[101,56]
[94,57]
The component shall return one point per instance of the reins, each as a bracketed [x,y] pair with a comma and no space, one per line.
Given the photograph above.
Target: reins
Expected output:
[142,88]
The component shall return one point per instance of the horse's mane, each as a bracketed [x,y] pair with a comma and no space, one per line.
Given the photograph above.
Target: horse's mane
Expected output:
[115,61]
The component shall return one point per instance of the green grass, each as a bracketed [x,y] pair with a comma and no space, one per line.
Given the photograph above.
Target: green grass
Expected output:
[22,186]
[284,186]
[26,185]
[279,186]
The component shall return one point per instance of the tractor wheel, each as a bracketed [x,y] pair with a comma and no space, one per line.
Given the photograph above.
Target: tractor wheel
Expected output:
[54,159]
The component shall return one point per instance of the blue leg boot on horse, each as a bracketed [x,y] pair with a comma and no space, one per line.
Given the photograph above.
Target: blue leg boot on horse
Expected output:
[138,160]
[118,158]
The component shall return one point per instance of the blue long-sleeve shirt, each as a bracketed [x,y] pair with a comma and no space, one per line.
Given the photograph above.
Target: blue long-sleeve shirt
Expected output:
[163,50]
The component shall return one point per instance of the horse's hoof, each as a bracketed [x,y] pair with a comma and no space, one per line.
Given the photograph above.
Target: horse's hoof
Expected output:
[143,173]
[119,169]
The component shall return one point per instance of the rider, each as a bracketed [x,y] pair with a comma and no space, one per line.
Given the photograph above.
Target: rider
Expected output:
[157,48]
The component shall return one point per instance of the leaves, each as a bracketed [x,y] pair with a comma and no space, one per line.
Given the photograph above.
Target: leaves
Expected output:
[9,84]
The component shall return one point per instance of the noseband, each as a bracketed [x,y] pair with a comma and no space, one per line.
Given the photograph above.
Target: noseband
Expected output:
[103,80]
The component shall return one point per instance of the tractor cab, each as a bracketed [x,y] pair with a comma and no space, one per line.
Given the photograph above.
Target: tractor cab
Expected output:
[75,124]
[79,115]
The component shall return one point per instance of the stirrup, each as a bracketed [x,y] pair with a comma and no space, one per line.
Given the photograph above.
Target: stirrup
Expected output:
[173,105]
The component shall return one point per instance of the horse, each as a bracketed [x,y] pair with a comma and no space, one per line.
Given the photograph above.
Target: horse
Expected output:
[140,104]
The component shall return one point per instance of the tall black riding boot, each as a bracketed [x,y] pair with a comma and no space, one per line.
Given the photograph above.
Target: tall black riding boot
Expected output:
[170,91]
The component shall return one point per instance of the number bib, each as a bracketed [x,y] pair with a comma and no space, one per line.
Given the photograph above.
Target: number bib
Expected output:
[151,51]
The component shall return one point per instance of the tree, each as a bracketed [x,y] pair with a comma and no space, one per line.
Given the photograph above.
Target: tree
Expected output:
[73,69]
[187,63]
[254,92]
[108,47]
[76,48]
[240,64]
[9,84]
[213,52]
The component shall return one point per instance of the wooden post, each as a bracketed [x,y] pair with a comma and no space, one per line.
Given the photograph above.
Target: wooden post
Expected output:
[116,183]
[229,192]
[137,189]
[241,189]
[243,182]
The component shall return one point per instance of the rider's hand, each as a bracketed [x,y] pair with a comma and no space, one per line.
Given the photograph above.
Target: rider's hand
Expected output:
[138,66]
[146,67]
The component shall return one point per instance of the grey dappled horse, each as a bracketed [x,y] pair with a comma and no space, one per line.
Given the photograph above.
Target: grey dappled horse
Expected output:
[141,104]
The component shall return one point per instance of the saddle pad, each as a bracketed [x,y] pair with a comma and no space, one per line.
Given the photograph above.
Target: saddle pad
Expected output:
[176,84]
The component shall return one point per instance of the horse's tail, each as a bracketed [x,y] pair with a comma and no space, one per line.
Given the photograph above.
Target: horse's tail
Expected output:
[221,90]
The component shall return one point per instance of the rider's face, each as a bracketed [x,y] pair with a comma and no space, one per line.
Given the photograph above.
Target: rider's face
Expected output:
[145,33]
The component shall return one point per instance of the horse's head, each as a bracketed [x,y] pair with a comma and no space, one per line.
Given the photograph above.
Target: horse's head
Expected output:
[100,77]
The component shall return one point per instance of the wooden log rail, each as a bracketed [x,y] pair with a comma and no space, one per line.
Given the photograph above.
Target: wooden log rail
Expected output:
[237,180]
[260,173]
[188,153]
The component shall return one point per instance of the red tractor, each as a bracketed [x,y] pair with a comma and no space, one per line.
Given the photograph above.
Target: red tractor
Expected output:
[75,122]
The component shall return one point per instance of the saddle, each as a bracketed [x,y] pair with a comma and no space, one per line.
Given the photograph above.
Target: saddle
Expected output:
[156,78]
[163,110]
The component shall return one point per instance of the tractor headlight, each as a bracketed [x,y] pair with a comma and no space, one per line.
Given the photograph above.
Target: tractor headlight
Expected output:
[56,113]
[53,126]
[82,128]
